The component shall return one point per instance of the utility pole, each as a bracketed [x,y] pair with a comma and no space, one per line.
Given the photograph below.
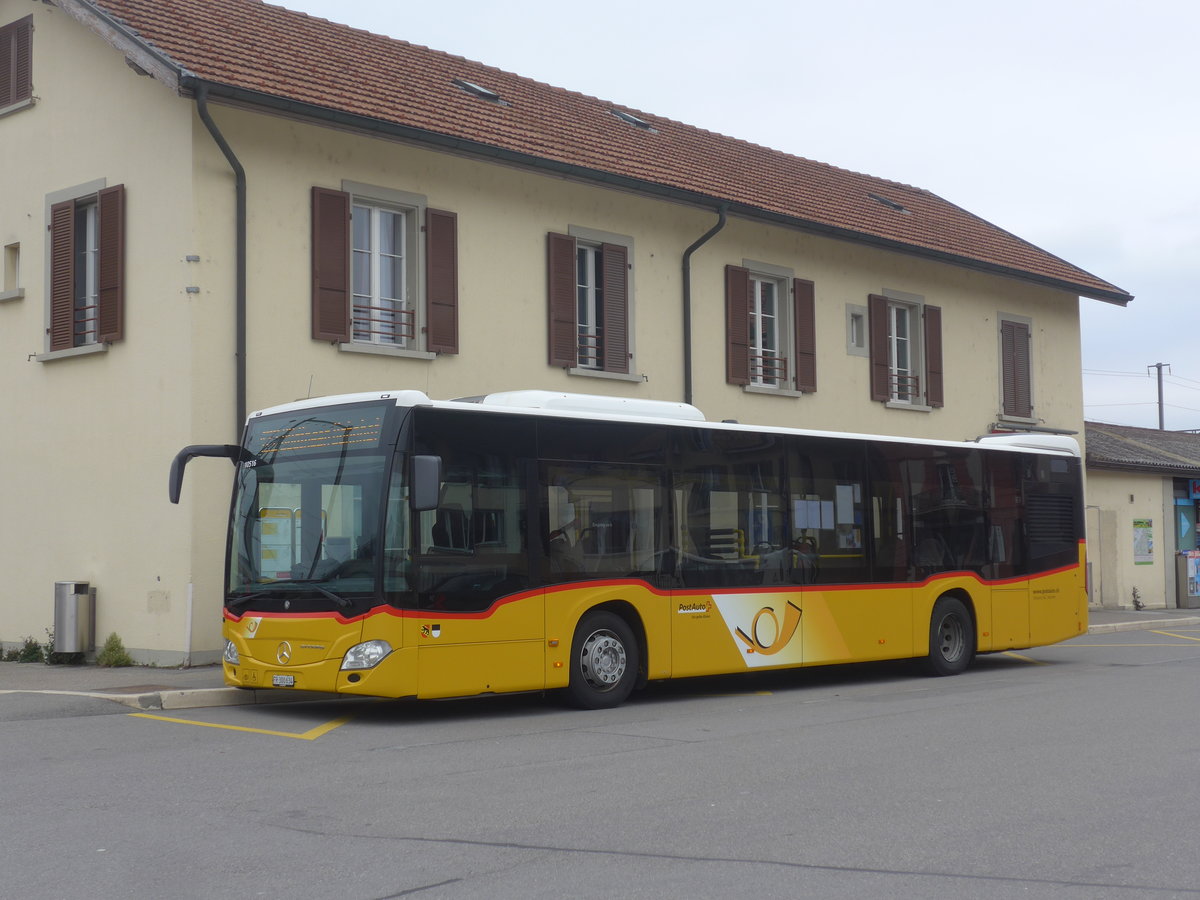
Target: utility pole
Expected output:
[1159,366]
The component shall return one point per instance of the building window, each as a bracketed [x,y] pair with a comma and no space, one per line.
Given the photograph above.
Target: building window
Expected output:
[11,288]
[385,271]
[768,362]
[1015,367]
[589,315]
[589,301]
[770,329]
[905,339]
[382,310]
[16,63]
[856,330]
[87,248]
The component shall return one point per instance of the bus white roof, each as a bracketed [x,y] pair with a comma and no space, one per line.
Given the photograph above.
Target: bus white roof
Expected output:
[665,412]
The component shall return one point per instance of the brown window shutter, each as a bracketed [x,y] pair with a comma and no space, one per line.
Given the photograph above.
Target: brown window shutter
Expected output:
[62,275]
[16,61]
[561,279]
[737,325]
[616,307]
[110,270]
[330,265]
[877,327]
[441,271]
[934,388]
[1015,363]
[805,315]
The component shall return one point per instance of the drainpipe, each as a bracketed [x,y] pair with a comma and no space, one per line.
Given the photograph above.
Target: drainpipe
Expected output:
[240,286]
[687,300]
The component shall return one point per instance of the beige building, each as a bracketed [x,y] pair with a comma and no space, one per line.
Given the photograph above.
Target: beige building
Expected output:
[224,205]
[1143,496]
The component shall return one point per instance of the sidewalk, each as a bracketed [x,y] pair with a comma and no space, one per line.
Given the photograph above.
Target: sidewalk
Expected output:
[141,687]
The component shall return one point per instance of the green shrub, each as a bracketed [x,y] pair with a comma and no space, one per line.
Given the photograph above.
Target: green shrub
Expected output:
[30,651]
[113,654]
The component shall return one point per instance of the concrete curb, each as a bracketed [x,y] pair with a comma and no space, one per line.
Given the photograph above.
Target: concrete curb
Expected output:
[192,698]
[1146,625]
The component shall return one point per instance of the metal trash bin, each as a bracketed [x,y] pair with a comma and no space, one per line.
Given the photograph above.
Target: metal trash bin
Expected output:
[74,617]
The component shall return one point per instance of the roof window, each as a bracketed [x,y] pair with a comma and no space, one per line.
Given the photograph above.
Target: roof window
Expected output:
[482,93]
[631,119]
[891,204]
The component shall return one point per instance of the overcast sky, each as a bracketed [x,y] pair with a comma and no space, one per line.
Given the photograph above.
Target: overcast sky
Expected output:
[1074,124]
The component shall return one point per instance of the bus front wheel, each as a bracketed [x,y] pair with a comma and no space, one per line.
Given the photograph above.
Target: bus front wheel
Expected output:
[604,661]
[951,637]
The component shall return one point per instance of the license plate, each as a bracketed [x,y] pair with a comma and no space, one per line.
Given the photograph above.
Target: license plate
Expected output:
[283,680]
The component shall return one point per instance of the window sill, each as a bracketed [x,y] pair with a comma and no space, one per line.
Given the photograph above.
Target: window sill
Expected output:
[17,107]
[381,350]
[55,355]
[911,407]
[1016,420]
[612,376]
[772,392]
[14,294]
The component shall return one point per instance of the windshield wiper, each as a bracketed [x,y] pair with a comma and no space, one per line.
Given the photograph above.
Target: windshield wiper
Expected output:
[277,592]
[312,583]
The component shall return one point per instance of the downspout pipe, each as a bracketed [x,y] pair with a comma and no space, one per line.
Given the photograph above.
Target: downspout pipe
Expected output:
[687,299]
[239,174]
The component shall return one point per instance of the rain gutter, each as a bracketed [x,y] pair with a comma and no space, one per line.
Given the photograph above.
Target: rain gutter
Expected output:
[687,300]
[239,173]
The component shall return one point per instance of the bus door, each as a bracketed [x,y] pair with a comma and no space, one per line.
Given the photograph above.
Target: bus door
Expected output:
[1008,622]
[479,621]
[844,616]
[736,603]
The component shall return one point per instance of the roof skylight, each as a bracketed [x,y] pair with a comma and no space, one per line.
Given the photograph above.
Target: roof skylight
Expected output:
[891,204]
[476,90]
[633,120]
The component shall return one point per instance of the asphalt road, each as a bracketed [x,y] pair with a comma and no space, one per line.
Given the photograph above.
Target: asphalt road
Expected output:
[1061,772]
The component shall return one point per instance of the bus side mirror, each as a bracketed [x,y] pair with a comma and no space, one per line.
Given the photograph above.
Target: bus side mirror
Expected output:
[425,483]
[175,485]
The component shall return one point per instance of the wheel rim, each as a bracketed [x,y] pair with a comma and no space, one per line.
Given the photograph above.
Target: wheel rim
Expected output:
[602,660]
[952,638]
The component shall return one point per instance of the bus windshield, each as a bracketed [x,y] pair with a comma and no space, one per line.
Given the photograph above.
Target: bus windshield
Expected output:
[307,509]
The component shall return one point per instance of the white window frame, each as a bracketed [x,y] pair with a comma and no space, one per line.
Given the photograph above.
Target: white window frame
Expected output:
[85,293]
[377,200]
[376,318]
[765,346]
[913,307]
[589,304]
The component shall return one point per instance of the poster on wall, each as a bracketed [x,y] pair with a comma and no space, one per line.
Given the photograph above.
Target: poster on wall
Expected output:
[1143,542]
[1193,573]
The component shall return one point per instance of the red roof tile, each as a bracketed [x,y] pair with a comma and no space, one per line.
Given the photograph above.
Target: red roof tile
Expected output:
[252,46]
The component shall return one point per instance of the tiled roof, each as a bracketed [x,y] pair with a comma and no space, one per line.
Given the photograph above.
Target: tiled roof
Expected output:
[250,46]
[1144,449]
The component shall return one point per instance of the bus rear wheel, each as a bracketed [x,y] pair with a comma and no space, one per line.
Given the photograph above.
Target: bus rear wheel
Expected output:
[604,662]
[951,637]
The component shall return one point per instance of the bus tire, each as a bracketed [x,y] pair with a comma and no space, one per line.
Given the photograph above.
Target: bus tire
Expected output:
[604,661]
[951,637]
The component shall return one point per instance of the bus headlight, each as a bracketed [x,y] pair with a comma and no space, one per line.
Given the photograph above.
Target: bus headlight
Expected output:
[366,655]
[230,655]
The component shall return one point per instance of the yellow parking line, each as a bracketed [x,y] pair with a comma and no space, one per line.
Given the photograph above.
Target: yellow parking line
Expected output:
[1023,658]
[311,735]
[1182,637]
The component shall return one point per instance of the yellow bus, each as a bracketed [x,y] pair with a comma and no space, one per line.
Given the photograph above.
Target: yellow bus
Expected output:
[390,545]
